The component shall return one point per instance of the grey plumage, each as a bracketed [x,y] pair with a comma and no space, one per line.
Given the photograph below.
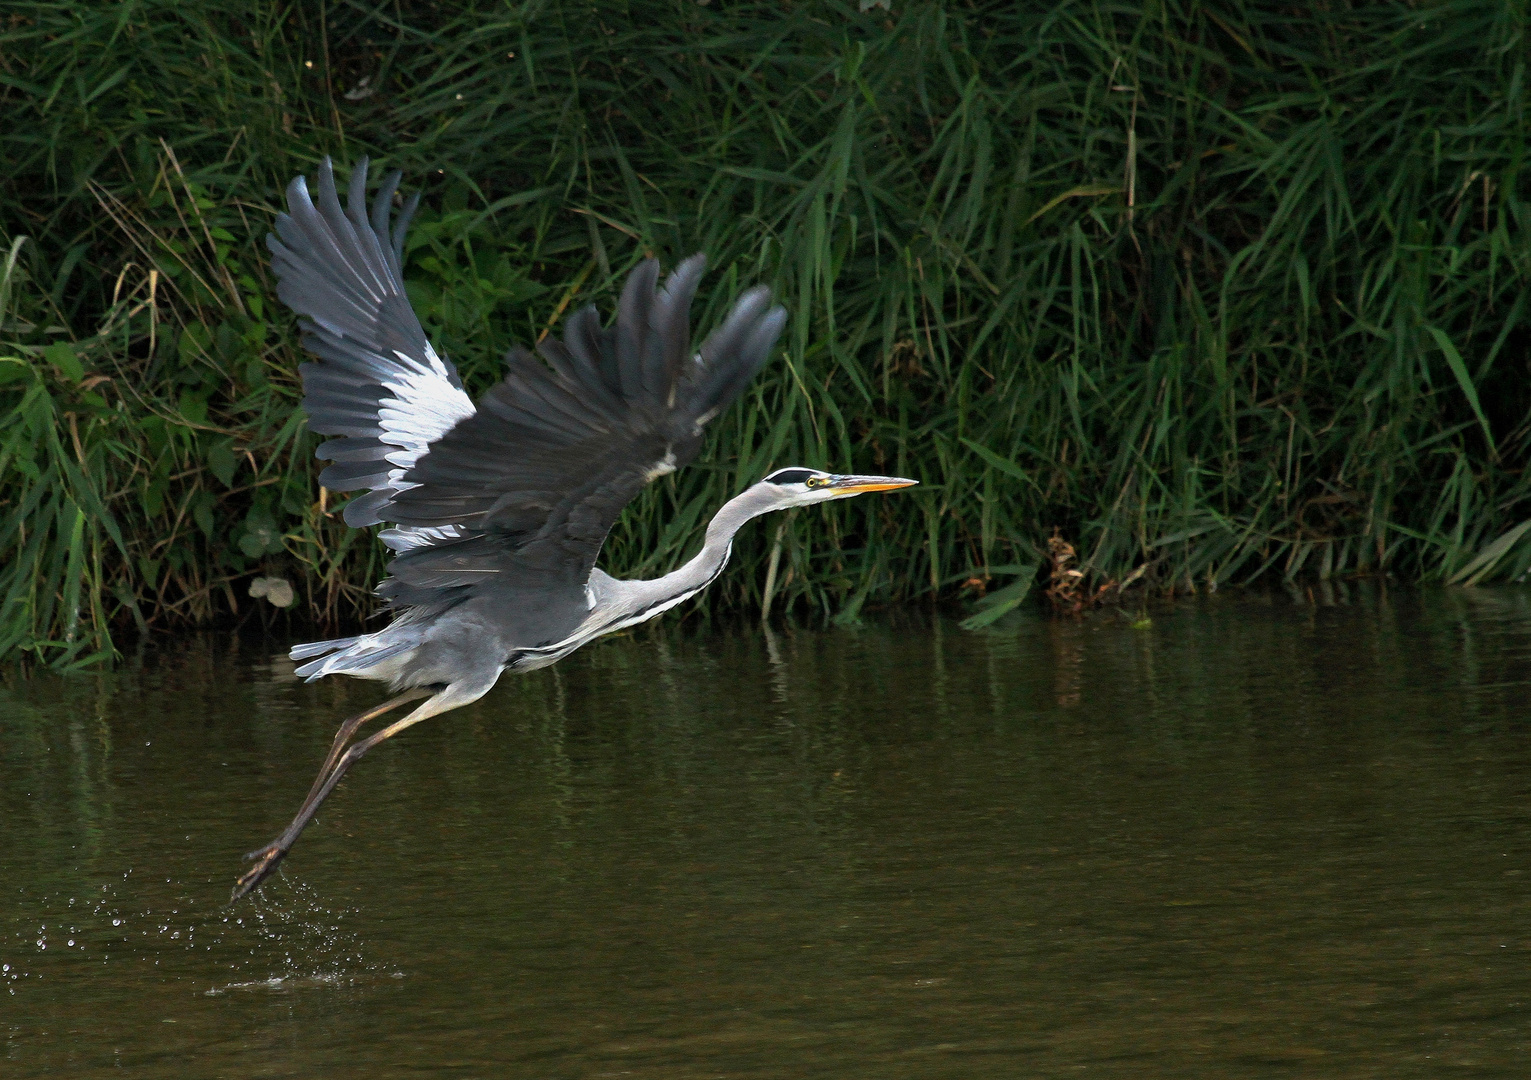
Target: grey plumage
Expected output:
[524,489]
[498,513]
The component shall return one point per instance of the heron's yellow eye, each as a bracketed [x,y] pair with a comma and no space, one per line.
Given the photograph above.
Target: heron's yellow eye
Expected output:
[816,481]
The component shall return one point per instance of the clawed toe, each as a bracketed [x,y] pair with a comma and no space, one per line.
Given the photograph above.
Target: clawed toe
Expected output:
[266,849]
[251,879]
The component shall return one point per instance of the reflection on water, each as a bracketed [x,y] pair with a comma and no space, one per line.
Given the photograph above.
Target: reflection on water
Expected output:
[1258,837]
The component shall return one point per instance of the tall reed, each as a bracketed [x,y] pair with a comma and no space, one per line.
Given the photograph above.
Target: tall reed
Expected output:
[1215,292]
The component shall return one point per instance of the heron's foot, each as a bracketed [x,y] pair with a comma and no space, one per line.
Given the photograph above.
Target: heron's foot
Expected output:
[267,859]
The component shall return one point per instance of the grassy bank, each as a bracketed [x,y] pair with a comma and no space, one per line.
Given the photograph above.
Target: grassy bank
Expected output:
[1214,291]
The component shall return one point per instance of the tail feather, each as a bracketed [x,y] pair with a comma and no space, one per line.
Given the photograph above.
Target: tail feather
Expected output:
[319,648]
[359,656]
[349,656]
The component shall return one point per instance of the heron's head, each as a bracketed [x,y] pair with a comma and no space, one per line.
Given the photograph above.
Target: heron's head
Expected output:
[799,487]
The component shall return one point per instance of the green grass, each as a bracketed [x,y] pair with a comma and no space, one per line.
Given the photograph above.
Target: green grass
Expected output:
[1216,291]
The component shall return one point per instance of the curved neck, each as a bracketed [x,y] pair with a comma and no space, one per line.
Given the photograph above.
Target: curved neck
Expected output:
[643,600]
[699,571]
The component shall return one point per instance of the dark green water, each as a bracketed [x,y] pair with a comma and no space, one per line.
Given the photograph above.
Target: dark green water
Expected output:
[1260,838]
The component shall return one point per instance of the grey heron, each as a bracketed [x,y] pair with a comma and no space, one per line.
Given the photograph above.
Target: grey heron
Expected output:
[497,513]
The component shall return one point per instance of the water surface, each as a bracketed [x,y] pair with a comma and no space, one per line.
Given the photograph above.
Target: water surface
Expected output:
[1260,837]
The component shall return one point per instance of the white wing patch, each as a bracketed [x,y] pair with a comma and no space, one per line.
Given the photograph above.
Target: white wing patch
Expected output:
[424,406]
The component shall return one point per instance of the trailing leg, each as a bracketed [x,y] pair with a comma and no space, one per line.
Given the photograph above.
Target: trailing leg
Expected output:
[269,856]
[348,729]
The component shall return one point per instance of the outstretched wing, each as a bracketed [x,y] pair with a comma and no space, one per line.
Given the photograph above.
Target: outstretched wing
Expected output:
[566,441]
[532,481]
[377,383]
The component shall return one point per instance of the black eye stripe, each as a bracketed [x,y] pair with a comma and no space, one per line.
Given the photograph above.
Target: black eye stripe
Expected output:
[789,476]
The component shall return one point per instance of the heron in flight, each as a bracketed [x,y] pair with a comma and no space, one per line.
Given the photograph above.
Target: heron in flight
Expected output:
[497,513]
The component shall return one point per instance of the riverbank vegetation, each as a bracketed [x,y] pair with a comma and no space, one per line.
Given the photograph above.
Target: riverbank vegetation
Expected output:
[1211,293]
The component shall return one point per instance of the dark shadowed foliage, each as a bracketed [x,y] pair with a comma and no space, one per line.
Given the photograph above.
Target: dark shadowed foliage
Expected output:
[1215,292]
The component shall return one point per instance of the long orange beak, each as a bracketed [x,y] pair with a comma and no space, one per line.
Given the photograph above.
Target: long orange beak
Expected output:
[857,485]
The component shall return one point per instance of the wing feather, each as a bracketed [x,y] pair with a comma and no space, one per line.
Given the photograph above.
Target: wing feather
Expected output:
[532,480]
[377,383]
